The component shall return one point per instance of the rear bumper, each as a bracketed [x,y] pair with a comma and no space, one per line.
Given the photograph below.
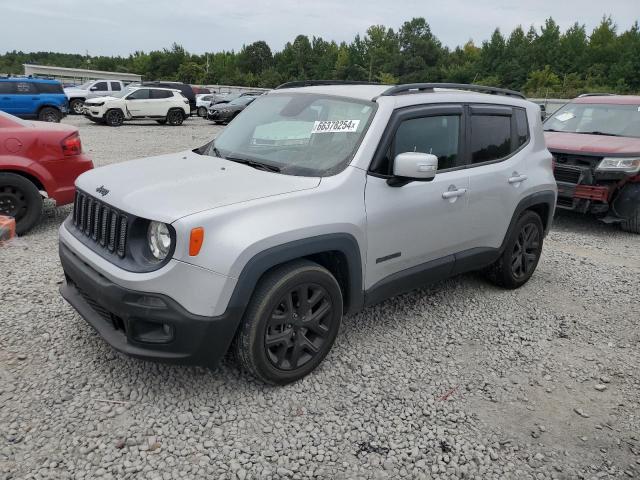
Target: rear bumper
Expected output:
[145,325]
[74,167]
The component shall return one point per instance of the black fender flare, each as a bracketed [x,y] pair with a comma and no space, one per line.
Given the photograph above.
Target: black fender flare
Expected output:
[259,264]
[546,198]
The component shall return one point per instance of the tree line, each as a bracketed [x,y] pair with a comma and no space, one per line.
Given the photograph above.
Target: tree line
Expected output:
[540,62]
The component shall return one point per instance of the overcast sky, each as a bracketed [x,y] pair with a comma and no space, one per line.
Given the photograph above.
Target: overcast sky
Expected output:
[119,27]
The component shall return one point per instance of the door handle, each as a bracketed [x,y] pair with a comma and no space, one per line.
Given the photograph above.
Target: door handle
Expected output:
[454,193]
[516,178]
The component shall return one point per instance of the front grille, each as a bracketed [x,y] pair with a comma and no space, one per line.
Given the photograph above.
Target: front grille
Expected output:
[588,161]
[103,224]
[564,173]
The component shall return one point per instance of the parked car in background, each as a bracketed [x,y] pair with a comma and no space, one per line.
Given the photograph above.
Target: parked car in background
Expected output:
[200,90]
[33,98]
[185,89]
[91,89]
[595,142]
[203,102]
[225,112]
[161,104]
[314,203]
[36,158]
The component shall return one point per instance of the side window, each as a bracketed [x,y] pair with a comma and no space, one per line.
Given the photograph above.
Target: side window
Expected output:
[115,86]
[438,135]
[142,94]
[49,87]
[7,87]
[25,88]
[522,127]
[490,137]
[100,87]
[160,94]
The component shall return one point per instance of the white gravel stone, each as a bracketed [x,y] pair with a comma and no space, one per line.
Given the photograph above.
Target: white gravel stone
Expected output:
[444,382]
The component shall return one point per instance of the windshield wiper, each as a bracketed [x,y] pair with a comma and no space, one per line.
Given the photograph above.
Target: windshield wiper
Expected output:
[254,164]
[600,133]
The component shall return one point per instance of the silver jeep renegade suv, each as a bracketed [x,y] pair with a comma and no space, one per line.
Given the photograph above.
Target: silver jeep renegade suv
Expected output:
[320,199]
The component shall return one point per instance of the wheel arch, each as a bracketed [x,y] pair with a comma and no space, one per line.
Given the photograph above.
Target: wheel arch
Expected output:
[543,203]
[29,175]
[338,252]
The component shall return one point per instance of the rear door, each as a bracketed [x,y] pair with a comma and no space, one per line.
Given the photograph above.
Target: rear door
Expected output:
[159,102]
[115,86]
[26,99]
[498,172]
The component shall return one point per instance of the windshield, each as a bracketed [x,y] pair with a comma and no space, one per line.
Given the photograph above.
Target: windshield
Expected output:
[596,118]
[85,85]
[122,93]
[299,134]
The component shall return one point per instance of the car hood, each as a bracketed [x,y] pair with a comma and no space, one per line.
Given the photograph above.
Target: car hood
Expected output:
[99,99]
[74,91]
[168,187]
[596,144]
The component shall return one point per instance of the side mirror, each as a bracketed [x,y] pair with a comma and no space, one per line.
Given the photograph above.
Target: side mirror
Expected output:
[415,166]
[94,88]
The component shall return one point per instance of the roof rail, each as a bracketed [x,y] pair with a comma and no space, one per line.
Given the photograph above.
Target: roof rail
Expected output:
[596,95]
[422,87]
[313,83]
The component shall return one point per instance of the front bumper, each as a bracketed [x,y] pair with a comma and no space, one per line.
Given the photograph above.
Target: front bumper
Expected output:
[145,325]
[219,116]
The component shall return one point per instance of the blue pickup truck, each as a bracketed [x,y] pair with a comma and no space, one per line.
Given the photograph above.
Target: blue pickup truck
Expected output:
[33,98]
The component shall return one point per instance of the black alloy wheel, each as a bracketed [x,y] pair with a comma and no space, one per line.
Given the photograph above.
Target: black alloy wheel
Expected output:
[526,251]
[175,117]
[298,326]
[20,199]
[114,118]
[290,324]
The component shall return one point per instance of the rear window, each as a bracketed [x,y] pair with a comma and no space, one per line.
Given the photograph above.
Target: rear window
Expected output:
[522,127]
[490,137]
[115,86]
[49,87]
[160,94]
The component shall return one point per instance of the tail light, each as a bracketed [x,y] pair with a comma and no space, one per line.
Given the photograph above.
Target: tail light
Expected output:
[72,145]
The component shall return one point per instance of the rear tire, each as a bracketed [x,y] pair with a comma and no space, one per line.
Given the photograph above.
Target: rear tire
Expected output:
[632,224]
[77,106]
[175,117]
[521,253]
[20,199]
[49,114]
[290,324]
[114,118]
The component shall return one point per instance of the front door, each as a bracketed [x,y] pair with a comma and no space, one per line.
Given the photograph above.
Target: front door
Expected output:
[137,103]
[423,223]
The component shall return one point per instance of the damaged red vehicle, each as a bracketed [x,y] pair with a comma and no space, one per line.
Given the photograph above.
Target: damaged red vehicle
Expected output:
[595,142]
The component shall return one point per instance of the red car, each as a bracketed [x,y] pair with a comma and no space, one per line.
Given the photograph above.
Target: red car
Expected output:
[37,157]
[595,142]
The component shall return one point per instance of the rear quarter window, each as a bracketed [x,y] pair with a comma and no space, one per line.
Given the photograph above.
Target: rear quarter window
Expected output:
[49,87]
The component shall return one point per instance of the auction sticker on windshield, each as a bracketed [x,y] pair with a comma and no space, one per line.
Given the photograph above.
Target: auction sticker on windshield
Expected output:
[335,126]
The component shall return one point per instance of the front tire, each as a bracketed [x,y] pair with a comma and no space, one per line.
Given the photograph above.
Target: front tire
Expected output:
[49,114]
[114,118]
[20,199]
[202,112]
[632,224]
[521,254]
[290,324]
[175,117]
[77,106]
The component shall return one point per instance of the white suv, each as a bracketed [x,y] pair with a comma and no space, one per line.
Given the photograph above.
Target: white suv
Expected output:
[165,105]
[315,202]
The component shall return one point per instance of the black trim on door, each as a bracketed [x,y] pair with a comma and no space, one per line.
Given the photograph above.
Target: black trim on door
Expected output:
[408,113]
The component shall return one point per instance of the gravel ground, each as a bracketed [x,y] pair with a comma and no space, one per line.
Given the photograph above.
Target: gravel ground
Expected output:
[461,380]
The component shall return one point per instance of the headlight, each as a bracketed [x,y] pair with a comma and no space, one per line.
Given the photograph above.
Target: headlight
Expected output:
[159,240]
[617,164]
[96,104]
